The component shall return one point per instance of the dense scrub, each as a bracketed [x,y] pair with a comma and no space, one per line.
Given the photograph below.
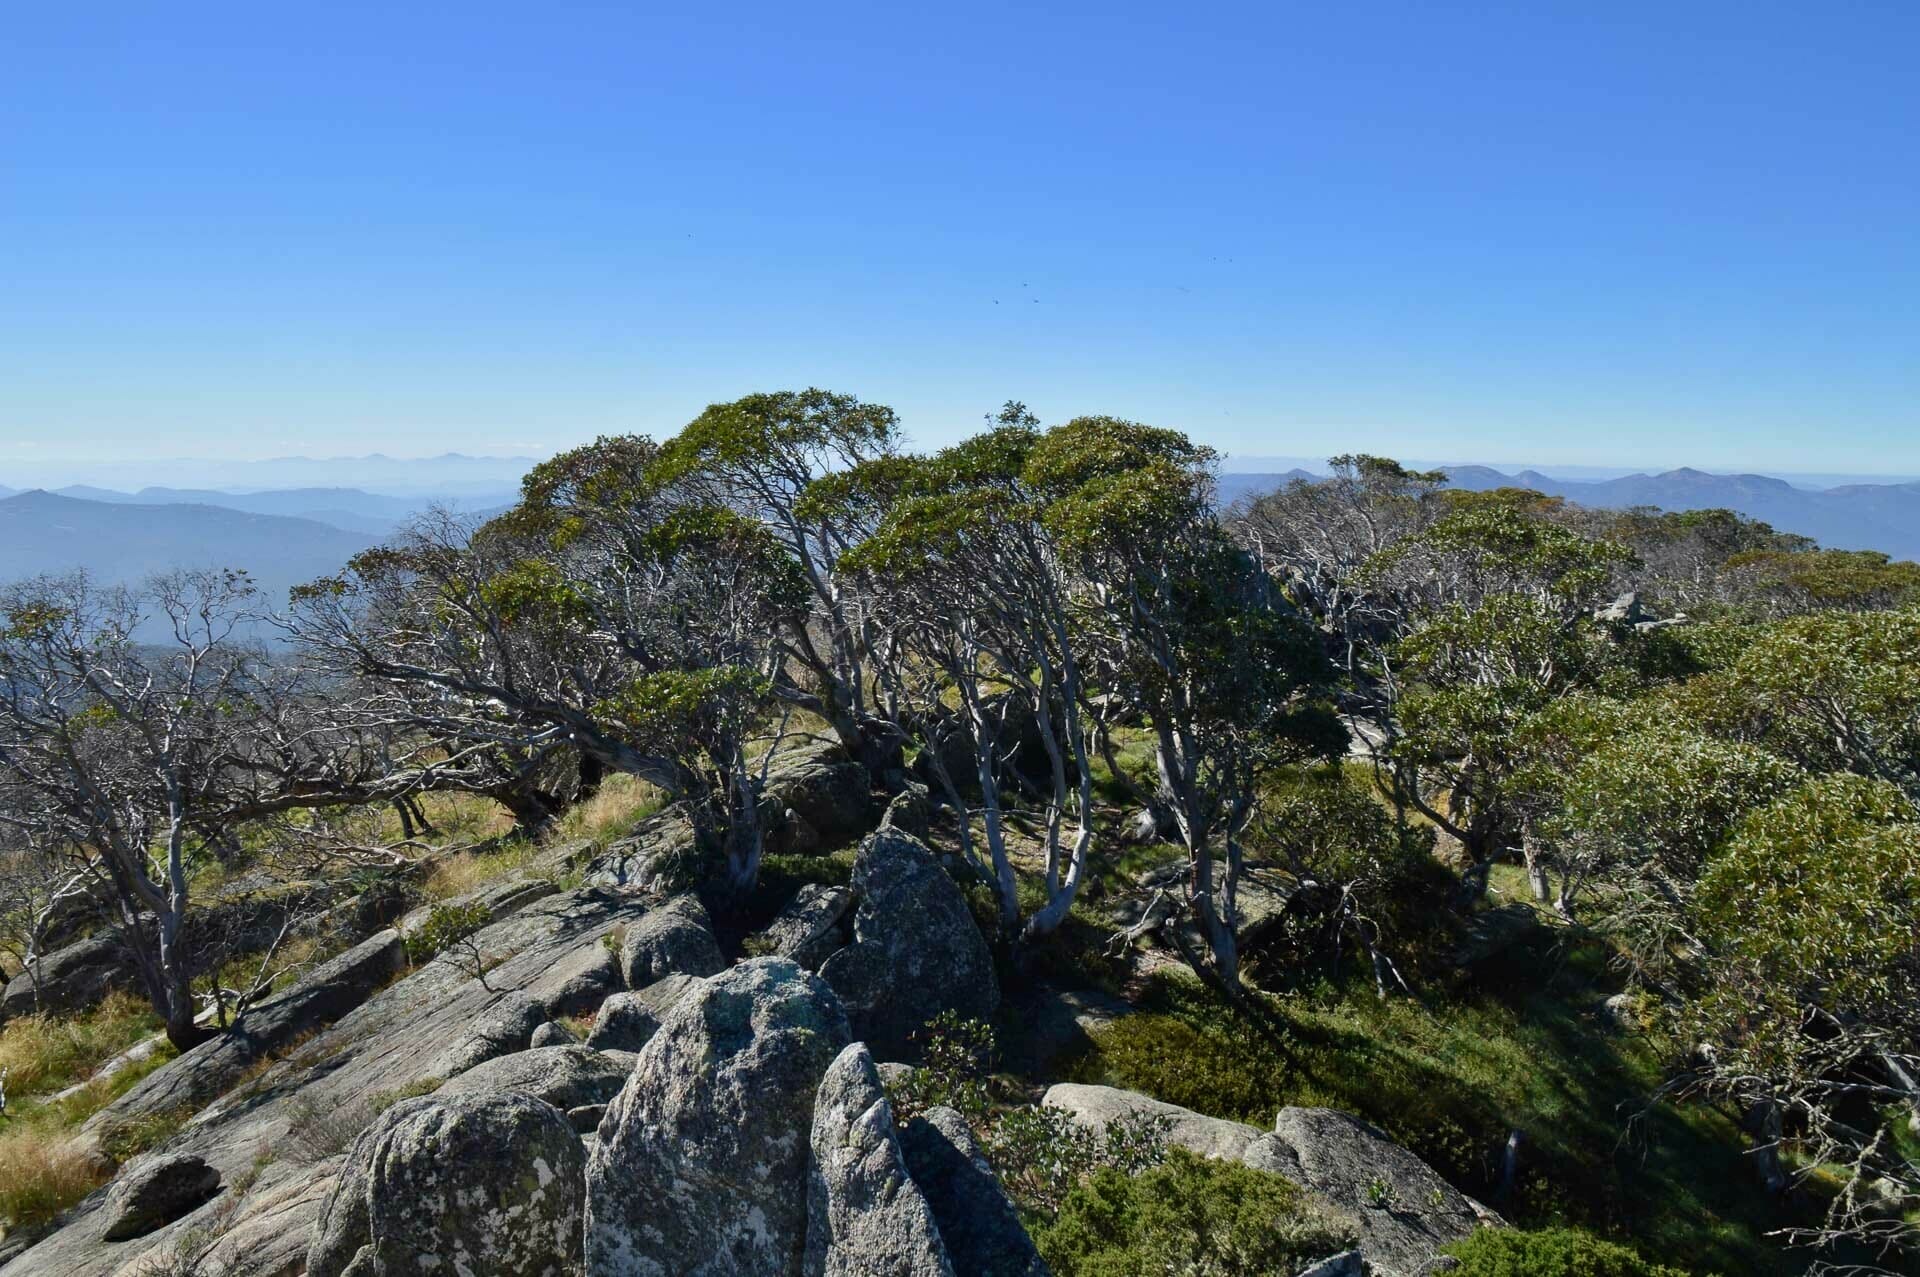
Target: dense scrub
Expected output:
[1368,794]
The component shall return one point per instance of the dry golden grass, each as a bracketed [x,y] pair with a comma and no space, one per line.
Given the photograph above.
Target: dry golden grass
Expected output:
[467,871]
[42,1053]
[623,801]
[457,818]
[38,1178]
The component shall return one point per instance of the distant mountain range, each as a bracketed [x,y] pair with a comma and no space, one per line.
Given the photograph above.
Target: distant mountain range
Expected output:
[1855,516]
[449,474]
[124,542]
[350,509]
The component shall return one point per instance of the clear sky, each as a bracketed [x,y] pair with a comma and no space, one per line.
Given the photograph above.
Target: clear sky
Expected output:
[1634,233]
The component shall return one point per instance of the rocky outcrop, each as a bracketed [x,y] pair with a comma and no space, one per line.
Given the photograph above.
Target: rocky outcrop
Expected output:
[625,1023]
[157,1191]
[272,1225]
[628,1021]
[386,1045]
[1403,1210]
[1348,1263]
[566,1077]
[456,1184]
[582,980]
[328,992]
[662,848]
[552,1034]
[501,900]
[1624,610]
[865,1215]
[674,939]
[75,978]
[812,926]
[916,951]
[701,1164]
[827,791]
[910,811]
[1095,1106]
[977,1222]
[503,1028]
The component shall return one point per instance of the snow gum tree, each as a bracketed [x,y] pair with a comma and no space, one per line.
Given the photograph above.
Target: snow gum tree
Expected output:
[1808,925]
[125,760]
[614,612]
[969,582]
[758,456]
[1183,628]
[1498,625]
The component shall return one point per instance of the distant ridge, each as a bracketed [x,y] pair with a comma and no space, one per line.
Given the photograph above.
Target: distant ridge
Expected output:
[452,473]
[351,509]
[122,543]
[1883,517]
[1861,516]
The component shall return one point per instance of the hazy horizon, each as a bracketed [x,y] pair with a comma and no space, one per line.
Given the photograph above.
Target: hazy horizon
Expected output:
[413,474]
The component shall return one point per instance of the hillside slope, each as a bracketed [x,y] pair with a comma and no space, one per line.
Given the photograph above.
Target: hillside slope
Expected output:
[44,533]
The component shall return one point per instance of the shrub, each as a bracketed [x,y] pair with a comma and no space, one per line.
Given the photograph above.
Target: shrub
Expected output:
[445,925]
[1223,1068]
[1042,1154]
[1190,1214]
[1550,1252]
[957,1055]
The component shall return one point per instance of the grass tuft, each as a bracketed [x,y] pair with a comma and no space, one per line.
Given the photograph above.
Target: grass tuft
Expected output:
[44,1053]
[39,1178]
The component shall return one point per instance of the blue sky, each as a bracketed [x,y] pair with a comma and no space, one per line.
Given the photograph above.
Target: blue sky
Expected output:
[1644,234]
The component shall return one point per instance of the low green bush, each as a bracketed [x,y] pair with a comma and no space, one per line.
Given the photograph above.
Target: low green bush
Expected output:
[445,925]
[1188,1215]
[1042,1153]
[1218,1067]
[956,1059]
[1550,1252]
